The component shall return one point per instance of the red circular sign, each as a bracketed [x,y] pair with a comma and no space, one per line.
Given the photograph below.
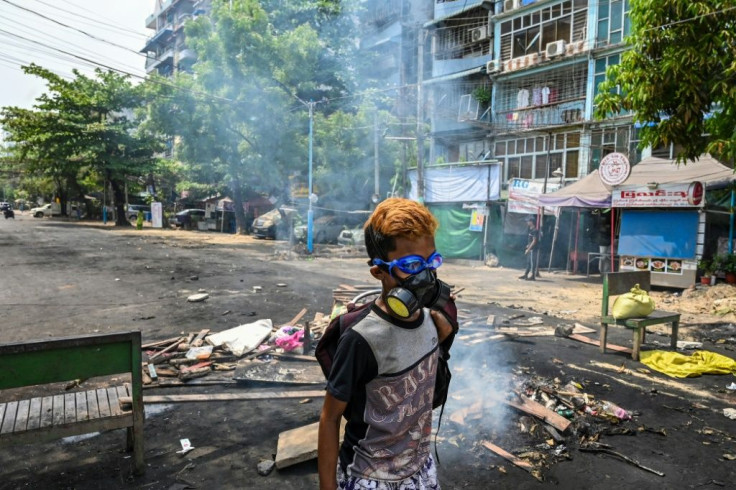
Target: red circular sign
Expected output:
[695,193]
[614,169]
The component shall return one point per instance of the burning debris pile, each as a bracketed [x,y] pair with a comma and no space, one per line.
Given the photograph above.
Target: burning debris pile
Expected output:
[532,422]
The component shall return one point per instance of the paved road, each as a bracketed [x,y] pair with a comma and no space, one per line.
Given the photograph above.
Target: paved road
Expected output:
[62,278]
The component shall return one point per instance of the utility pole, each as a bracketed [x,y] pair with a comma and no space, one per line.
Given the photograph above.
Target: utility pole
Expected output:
[420,114]
[376,173]
[310,211]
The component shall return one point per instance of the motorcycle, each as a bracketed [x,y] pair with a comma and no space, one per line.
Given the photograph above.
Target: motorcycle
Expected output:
[9,213]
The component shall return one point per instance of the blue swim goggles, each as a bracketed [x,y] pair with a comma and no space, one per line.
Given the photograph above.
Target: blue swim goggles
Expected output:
[412,264]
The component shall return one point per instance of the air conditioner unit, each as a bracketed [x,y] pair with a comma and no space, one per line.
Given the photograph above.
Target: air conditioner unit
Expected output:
[510,5]
[556,48]
[493,66]
[478,34]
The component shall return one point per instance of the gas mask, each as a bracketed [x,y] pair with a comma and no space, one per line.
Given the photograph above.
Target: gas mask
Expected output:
[420,290]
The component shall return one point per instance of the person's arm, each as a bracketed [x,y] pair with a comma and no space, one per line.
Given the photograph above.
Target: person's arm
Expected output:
[444,328]
[328,441]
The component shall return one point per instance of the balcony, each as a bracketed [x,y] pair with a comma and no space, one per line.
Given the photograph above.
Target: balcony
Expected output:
[446,67]
[187,57]
[182,19]
[151,21]
[539,117]
[157,62]
[161,37]
[454,7]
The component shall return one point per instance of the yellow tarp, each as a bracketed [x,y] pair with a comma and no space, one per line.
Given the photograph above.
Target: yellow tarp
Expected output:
[681,366]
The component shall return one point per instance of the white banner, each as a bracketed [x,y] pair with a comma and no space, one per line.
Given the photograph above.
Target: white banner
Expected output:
[524,196]
[157,215]
[458,183]
[687,195]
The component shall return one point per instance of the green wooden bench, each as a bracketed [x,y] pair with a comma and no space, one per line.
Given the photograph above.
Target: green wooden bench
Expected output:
[615,283]
[46,418]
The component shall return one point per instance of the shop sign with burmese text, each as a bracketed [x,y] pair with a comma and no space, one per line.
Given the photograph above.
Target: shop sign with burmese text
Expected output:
[678,195]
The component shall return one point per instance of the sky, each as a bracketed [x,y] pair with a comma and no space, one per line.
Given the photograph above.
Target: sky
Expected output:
[115,33]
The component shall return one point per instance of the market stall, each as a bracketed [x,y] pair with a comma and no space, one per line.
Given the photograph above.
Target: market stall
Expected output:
[661,230]
[680,228]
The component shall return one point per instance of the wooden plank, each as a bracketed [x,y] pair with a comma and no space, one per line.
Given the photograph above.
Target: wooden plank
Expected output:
[524,465]
[82,410]
[538,410]
[588,340]
[21,417]
[70,408]
[58,410]
[47,411]
[294,320]
[60,360]
[103,403]
[92,406]
[112,395]
[34,413]
[298,445]
[220,397]
[199,339]
[2,413]
[11,408]
[173,346]
[158,343]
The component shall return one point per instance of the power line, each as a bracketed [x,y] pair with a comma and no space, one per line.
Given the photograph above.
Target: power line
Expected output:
[96,22]
[92,36]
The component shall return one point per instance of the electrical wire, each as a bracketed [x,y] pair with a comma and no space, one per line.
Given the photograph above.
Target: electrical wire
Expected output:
[95,21]
[92,36]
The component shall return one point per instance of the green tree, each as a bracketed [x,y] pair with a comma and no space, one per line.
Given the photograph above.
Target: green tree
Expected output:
[679,77]
[82,126]
[241,119]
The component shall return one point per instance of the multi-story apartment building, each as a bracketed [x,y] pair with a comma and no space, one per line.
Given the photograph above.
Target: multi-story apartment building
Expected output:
[516,80]
[166,49]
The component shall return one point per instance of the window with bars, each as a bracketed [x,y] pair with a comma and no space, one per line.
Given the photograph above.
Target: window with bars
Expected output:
[526,158]
[463,37]
[456,100]
[614,22]
[609,140]
[530,33]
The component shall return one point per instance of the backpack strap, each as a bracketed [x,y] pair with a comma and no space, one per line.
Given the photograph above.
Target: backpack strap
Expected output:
[327,345]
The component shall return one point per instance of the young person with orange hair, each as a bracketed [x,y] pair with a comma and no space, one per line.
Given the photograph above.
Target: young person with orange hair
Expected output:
[382,379]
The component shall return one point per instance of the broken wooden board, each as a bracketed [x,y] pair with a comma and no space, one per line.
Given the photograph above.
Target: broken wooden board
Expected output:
[538,410]
[588,340]
[283,371]
[300,444]
[525,465]
[224,397]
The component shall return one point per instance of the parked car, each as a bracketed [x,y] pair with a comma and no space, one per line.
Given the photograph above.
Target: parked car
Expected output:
[186,217]
[325,229]
[132,211]
[272,225]
[354,237]
[45,210]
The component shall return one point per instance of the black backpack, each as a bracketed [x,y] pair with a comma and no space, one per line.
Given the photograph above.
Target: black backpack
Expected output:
[327,346]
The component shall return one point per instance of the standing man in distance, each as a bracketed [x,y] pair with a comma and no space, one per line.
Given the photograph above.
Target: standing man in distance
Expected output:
[530,250]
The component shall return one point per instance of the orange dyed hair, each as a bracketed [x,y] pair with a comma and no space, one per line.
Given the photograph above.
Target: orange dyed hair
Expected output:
[396,217]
